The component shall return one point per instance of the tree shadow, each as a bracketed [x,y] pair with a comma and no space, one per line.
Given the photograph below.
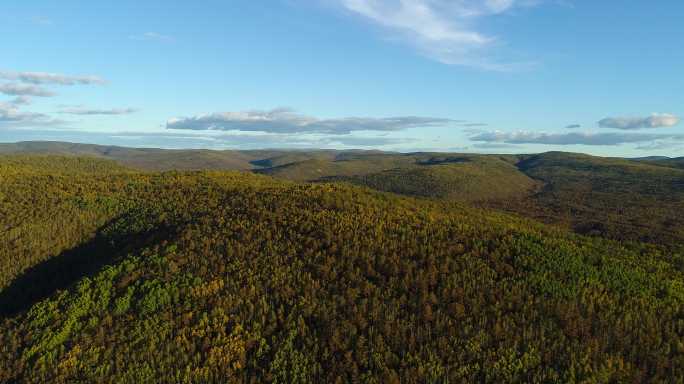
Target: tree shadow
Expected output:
[60,272]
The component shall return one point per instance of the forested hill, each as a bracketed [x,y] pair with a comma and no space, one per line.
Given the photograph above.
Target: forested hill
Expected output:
[155,159]
[621,199]
[112,275]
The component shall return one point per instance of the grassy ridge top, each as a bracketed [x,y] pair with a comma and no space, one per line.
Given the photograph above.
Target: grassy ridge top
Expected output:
[215,277]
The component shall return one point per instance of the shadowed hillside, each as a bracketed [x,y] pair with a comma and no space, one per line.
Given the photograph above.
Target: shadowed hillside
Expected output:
[232,277]
[608,197]
[675,162]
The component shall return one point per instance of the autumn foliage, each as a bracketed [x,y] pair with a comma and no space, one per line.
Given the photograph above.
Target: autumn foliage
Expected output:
[110,275]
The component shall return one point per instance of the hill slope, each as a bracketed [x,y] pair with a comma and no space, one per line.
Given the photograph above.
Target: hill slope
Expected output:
[613,198]
[144,158]
[216,277]
[456,178]
[621,199]
[342,164]
[608,197]
[676,162]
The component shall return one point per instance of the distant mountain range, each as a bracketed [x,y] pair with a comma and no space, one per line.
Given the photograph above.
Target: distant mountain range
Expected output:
[189,159]
[628,199]
[113,274]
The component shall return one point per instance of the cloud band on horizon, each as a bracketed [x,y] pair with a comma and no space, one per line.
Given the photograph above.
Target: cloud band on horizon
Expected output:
[285,120]
[574,138]
[656,120]
[16,89]
[50,78]
[94,111]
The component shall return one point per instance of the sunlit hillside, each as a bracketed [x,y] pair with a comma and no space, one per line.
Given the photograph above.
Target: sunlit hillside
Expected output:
[230,277]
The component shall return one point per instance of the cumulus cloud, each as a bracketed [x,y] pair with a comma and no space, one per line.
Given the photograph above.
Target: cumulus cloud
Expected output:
[579,138]
[287,121]
[656,120]
[91,111]
[25,85]
[443,30]
[152,36]
[15,89]
[15,116]
[50,78]
[10,115]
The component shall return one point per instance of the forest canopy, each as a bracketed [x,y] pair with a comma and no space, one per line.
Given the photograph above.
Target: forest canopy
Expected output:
[113,275]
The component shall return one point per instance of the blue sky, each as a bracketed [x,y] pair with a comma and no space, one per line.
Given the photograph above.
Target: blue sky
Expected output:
[501,76]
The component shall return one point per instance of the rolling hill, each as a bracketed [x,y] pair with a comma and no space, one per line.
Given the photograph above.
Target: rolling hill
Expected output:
[621,199]
[675,162]
[469,178]
[114,275]
[607,197]
[151,159]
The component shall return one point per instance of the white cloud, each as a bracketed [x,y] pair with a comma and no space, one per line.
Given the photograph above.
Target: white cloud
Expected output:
[15,89]
[92,111]
[50,78]
[420,18]
[444,30]
[656,120]
[287,121]
[194,139]
[575,138]
[498,5]
[10,115]
[25,85]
